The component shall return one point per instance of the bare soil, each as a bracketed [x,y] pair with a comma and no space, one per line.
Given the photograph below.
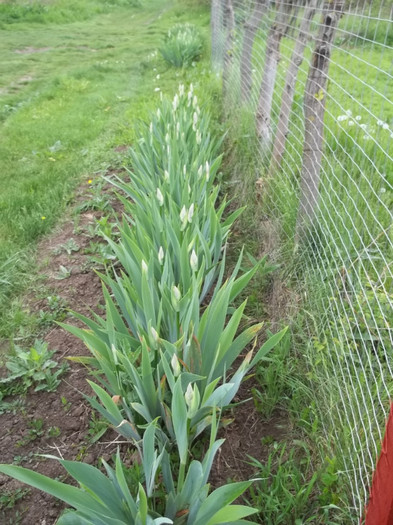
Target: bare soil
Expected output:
[66,408]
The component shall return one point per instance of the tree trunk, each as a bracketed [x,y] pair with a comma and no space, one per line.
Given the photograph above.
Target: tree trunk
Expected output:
[251,27]
[216,30]
[229,17]
[314,110]
[289,89]
[272,58]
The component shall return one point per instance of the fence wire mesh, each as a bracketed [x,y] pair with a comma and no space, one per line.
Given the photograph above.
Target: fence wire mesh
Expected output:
[314,81]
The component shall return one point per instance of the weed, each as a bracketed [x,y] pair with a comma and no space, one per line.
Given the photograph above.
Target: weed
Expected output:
[34,367]
[36,430]
[65,404]
[28,459]
[102,255]
[68,247]
[14,406]
[99,200]
[97,428]
[274,377]
[57,311]
[291,490]
[8,499]
[63,273]
[54,432]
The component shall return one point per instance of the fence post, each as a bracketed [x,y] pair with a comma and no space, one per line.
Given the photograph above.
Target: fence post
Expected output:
[251,27]
[272,58]
[314,110]
[229,17]
[216,23]
[289,88]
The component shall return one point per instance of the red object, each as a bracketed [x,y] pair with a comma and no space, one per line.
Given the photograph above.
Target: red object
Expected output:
[379,510]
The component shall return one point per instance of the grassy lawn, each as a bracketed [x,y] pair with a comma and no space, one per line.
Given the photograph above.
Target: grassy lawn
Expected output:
[74,78]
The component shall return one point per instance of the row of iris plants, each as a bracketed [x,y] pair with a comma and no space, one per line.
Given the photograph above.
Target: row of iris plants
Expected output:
[172,350]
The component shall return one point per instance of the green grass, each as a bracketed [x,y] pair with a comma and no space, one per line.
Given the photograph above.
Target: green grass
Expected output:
[56,11]
[73,82]
[340,276]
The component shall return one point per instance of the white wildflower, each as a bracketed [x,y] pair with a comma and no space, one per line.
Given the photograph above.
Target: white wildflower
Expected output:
[380,122]
[358,117]
[385,126]
[341,118]
[349,113]
[157,89]
[351,122]
[363,126]
[158,77]
[144,266]
[161,255]
[194,261]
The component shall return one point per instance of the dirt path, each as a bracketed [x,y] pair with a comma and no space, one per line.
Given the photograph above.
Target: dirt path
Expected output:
[60,422]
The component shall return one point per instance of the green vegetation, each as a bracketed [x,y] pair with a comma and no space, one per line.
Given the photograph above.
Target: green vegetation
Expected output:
[9,498]
[69,95]
[176,319]
[183,45]
[34,367]
[338,282]
[162,360]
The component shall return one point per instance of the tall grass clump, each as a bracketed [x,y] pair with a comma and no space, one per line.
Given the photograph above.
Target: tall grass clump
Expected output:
[163,355]
[183,45]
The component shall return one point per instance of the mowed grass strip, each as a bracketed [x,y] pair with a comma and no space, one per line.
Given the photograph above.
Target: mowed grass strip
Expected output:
[69,94]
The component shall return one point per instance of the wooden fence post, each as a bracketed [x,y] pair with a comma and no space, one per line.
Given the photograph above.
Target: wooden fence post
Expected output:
[229,17]
[251,27]
[289,89]
[314,111]
[216,29]
[272,58]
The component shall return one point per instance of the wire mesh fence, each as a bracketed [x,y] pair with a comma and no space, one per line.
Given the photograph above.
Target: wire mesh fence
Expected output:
[313,79]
